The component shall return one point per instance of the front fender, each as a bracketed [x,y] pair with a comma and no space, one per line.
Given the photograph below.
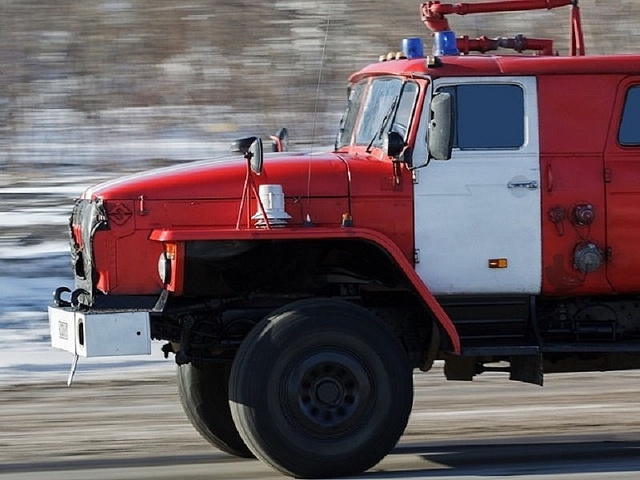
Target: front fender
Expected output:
[179,236]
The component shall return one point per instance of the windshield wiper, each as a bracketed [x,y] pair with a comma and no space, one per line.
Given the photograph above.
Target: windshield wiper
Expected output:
[385,120]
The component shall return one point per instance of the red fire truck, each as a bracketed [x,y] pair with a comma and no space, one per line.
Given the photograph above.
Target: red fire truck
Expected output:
[478,209]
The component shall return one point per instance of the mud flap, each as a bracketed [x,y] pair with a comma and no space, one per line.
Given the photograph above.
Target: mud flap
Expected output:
[527,368]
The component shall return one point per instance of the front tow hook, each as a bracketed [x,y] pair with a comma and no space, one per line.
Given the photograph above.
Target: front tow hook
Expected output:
[75,299]
[57,300]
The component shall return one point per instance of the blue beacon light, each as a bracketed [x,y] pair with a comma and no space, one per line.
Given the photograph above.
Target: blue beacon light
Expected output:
[413,47]
[444,43]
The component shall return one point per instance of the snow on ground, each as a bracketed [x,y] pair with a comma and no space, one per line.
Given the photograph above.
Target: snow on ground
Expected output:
[37,191]
[25,352]
[34,252]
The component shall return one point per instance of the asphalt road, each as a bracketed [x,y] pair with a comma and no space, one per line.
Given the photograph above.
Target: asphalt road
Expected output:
[579,426]
[544,459]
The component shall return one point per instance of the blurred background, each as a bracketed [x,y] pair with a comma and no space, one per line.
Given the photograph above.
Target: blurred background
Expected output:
[92,90]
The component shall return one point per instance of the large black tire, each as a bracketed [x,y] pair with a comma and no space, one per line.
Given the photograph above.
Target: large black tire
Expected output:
[204,394]
[321,388]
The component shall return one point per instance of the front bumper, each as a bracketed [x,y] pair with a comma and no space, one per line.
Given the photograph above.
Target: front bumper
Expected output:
[100,333]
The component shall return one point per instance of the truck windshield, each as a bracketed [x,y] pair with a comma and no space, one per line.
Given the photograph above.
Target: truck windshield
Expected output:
[387,103]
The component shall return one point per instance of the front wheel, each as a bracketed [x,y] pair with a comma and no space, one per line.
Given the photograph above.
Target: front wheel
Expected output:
[204,396]
[321,388]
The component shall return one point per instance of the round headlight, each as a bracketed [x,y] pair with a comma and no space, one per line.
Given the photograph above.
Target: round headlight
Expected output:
[164,268]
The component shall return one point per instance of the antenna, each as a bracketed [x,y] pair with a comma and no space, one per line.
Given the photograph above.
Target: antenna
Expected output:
[315,116]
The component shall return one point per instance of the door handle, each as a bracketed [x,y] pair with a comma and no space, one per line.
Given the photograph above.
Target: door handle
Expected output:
[532,185]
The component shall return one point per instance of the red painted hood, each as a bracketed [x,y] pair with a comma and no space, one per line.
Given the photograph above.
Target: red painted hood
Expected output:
[319,175]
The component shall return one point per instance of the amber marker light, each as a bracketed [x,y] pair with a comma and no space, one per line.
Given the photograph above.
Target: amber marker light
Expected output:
[171,249]
[498,263]
[347,220]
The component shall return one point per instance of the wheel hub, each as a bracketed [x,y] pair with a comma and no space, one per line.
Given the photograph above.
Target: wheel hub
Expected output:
[327,393]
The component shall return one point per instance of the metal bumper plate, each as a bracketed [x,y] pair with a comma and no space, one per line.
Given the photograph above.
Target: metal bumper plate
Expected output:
[100,334]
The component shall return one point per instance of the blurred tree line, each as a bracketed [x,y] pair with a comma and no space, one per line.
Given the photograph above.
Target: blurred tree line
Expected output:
[260,60]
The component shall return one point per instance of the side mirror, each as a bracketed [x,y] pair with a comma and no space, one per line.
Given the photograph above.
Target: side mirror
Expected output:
[242,145]
[251,148]
[255,156]
[280,140]
[392,144]
[440,134]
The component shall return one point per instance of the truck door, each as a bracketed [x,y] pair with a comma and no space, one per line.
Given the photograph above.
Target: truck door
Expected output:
[622,185]
[477,215]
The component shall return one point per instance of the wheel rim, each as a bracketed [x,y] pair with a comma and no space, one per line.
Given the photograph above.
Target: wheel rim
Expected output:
[328,393]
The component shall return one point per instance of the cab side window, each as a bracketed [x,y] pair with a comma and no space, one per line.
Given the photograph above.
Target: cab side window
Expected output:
[488,116]
[629,134]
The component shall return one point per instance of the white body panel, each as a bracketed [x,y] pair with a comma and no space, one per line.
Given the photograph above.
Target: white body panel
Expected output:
[100,334]
[466,214]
